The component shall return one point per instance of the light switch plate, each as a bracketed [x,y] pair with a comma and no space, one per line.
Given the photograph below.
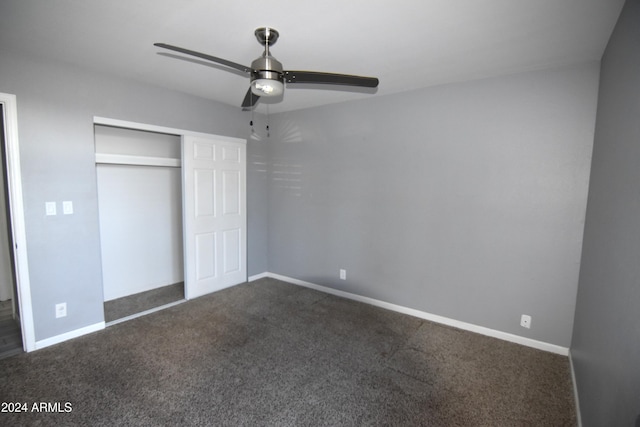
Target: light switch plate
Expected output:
[67,207]
[50,208]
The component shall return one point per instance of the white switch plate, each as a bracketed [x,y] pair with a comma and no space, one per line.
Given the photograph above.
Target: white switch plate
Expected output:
[67,207]
[50,208]
[61,310]
[343,274]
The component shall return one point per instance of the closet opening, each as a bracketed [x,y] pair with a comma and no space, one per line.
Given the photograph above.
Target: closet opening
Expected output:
[139,180]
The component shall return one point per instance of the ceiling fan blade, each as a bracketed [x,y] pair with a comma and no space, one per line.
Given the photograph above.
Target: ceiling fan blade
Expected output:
[231,64]
[329,78]
[250,99]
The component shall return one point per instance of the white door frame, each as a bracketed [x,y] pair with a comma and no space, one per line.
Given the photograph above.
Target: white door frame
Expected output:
[16,211]
[171,131]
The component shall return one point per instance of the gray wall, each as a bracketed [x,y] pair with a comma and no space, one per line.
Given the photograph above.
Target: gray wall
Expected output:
[606,339]
[465,200]
[56,105]
[6,268]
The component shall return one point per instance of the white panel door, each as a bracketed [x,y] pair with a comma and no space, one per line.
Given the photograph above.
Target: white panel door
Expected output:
[215,217]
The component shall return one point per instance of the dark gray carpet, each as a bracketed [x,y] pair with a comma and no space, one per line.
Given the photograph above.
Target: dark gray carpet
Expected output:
[137,303]
[271,353]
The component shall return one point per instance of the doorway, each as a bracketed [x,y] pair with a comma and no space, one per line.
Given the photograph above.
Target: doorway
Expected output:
[10,333]
[21,302]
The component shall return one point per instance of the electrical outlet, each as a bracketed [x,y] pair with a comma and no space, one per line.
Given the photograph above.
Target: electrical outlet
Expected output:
[525,321]
[61,310]
[343,274]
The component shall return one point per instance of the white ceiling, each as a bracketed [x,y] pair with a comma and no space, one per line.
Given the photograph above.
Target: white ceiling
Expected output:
[407,44]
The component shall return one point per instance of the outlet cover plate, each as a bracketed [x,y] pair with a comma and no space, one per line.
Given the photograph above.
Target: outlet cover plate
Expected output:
[61,310]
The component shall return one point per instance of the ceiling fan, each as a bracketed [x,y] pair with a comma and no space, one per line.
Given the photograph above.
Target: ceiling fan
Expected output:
[267,75]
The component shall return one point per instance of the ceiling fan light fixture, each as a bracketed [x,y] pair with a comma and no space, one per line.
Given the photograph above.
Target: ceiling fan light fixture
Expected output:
[267,87]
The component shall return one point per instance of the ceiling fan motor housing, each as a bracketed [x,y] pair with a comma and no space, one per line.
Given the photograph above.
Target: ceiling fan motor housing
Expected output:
[266,67]
[267,77]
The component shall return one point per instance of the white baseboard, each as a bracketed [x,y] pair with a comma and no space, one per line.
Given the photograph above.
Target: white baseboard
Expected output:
[69,335]
[540,345]
[258,276]
[576,398]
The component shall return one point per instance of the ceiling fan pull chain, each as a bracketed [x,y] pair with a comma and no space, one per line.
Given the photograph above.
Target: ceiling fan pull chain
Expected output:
[268,133]
[253,131]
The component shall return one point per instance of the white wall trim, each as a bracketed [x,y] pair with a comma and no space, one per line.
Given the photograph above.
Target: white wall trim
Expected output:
[160,129]
[258,276]
[528,342]
[576,397]
[69,335]
[14,184]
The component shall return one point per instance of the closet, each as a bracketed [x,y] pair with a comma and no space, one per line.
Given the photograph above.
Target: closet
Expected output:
[172,209]
[140,210]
